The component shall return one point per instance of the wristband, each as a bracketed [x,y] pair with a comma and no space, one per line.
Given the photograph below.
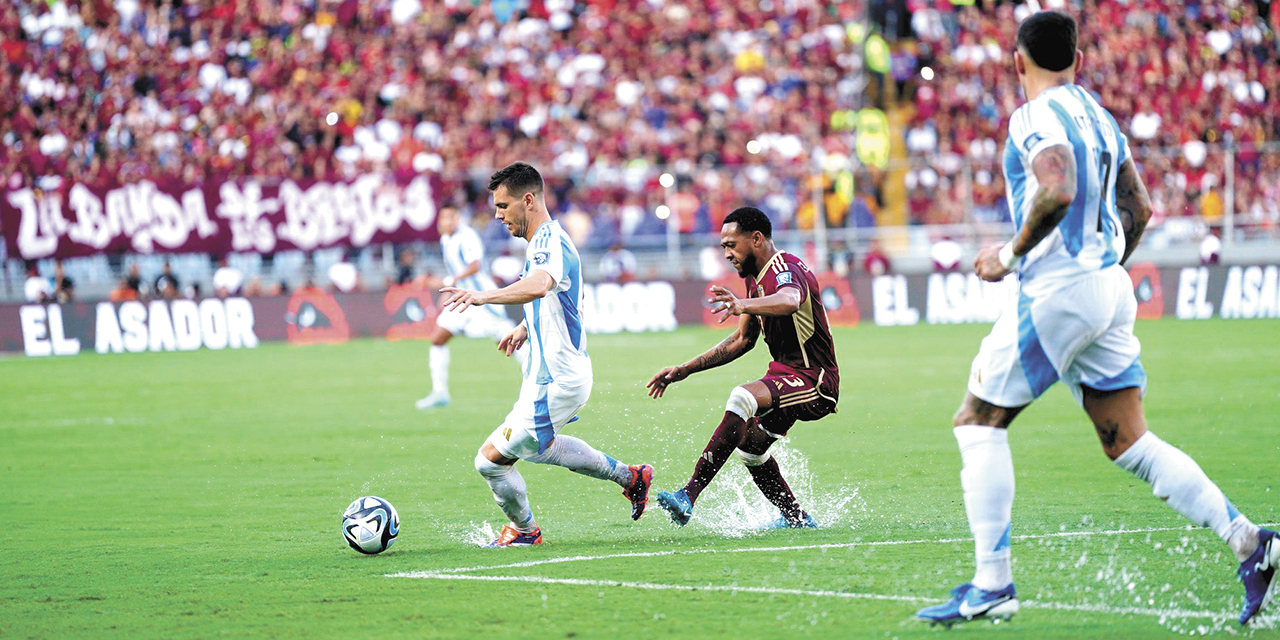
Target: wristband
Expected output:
[1007,257]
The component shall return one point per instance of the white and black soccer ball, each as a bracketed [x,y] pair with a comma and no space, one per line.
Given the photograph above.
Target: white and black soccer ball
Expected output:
[370,525]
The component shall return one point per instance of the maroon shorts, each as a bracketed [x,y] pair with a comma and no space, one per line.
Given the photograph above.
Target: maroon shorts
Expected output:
[797,395]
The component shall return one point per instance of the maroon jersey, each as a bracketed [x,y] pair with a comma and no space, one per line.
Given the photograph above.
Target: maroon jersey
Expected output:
[802,340]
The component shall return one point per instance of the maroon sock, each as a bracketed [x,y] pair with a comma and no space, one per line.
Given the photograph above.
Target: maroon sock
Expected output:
[726,438]
[774,487]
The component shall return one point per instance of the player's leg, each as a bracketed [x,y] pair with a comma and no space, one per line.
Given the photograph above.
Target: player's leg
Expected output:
[438,361]
[509,491]
[1108,381]
[986,477]
[512,440]
[999,388]
[743,404]
[760,434]
[1176,478]
[554,407]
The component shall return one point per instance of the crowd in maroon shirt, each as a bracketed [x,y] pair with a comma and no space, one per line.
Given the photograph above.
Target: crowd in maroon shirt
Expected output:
[1183,79]
[115,90]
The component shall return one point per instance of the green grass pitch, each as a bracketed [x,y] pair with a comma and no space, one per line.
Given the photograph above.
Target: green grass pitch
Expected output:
[198,495]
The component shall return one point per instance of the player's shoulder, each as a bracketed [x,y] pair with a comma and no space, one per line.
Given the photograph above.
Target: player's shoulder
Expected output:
[786,269]
[547,234]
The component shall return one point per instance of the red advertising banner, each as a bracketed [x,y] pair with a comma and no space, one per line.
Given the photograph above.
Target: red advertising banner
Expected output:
[234,216]
[314,315]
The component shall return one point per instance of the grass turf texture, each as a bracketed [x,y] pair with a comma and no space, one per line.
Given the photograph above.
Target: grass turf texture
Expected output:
[199,494]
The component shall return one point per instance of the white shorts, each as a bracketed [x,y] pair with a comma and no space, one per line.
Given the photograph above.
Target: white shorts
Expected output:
[538,415]
[1081,333]
[486,321]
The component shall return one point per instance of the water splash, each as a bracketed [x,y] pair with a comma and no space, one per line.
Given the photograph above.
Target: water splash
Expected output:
[733,507]
[476,535]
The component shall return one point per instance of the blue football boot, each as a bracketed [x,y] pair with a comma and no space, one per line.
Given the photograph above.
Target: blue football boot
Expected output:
[678,505]
[1258,573]
[807,522]
[969,602]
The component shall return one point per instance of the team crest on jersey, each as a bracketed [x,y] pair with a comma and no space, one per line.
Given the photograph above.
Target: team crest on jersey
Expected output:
[541,257]
[784,278]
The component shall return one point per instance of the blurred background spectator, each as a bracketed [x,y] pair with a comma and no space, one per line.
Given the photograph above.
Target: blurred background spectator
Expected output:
[618,265]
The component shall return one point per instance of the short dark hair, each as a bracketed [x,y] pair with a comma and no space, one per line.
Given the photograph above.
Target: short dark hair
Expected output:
[751,219]
[519,178]
[1049,37]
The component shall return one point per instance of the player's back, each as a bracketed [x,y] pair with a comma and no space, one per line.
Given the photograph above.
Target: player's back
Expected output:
[557,339]
[459,249]
[801,340]
[1089,238]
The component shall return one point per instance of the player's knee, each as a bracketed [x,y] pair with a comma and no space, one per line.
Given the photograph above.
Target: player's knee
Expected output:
[742,403]
[753,459]
[489,468]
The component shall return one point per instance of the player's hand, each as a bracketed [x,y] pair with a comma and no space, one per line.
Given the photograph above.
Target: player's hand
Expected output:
[725,302]
[514,340]
[987,265]
[455,298]
[669,375]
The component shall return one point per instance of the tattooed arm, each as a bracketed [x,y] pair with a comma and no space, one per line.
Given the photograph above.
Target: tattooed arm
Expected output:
[742,340]
[1055,170]
[1133,204]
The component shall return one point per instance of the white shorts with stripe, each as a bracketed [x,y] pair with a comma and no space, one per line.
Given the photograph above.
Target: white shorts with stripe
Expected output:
[537,417]
[1080,333]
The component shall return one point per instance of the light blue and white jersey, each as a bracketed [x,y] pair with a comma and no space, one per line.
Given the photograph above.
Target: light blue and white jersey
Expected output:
[1090,237]
[460,249]
[557,341]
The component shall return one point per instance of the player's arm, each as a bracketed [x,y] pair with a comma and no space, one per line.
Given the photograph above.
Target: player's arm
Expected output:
[1055,170]
[784,302]
[471,270]
[742,340]
[527,289]
[1133,203]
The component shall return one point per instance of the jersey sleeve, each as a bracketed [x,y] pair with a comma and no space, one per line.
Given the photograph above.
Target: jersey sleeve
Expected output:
[1035,127]
[791,276]
[546,253]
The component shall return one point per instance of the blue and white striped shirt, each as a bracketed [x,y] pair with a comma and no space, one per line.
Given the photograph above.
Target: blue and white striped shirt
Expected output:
[557,340]
[1090,237]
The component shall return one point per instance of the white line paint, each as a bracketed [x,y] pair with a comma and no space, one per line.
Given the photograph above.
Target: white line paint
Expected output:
[837,545]
[657,587]
[1032,604]
[460,574]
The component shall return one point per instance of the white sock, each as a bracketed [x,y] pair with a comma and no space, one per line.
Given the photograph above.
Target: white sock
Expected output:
[987,480]
[509,491]
[578,457]
[1177,479]
[438,360]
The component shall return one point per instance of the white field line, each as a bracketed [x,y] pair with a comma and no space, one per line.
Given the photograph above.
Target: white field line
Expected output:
[1084,608]
[460,574]
[835,545]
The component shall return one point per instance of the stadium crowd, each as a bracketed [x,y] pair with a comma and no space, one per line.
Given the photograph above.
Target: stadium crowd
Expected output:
[735,97]
[1182,79]
[113,91]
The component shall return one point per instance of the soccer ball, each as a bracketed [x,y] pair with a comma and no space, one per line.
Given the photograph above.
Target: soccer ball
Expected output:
[370,525]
